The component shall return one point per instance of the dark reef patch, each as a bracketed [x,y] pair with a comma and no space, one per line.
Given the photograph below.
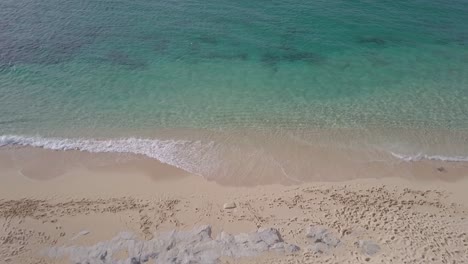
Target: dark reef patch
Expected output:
[161,46]
[221,56]
[371,40]
[20,120]
[14,52]
[270,58]
[309,57]
[208,39]
[377,60]
[123,59]
[273,58]
[54,50]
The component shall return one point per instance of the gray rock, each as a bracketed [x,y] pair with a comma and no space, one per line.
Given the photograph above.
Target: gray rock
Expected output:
[291,248]
[368,247]
[231,205]
[285,247]
[196,246]
[318,248]
[320,234]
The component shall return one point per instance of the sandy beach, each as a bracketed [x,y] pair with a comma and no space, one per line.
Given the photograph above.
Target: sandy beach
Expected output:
[73,214]
[215,132]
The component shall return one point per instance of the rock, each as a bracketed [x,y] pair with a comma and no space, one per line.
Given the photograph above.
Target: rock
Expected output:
[288,248]
[320,234]
[318,248]
[291,248]
[230,205]
[269,235]
[134,261]
[368,247]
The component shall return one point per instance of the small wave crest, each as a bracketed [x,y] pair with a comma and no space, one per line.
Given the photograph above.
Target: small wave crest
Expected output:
[183,154]
[421,156]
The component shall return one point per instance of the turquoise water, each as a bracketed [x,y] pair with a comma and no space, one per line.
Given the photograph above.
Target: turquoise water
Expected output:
[106,69]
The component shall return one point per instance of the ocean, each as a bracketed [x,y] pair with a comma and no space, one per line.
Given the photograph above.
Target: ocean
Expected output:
[234,87]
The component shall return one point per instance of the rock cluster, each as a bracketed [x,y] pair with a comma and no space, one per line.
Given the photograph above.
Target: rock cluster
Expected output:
[196,246]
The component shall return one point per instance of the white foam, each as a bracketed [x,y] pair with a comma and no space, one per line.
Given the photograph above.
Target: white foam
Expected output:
[421,156]
[184,154]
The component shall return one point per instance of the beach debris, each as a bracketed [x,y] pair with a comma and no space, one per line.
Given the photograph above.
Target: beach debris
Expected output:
[441,169]
[230,205]
[80,234]
[196,246]
[320,234]
[368,247]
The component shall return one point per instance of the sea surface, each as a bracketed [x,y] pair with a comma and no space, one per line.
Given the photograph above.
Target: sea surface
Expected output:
[210,85]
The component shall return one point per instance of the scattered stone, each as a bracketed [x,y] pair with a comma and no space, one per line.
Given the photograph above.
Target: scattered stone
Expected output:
[368,247]
[230,205]
[320,234]
[196,246]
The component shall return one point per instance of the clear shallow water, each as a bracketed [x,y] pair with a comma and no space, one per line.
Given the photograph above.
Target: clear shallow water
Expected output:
[107,69]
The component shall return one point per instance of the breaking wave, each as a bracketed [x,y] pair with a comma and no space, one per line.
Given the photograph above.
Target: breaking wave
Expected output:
[184,154]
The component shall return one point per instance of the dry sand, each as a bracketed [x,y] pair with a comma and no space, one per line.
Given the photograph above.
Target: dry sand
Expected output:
[407,220]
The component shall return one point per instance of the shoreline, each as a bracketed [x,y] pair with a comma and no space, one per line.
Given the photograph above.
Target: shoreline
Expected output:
[246,158]
[61,206]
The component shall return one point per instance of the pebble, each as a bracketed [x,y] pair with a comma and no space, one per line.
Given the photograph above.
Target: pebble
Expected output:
[231,205]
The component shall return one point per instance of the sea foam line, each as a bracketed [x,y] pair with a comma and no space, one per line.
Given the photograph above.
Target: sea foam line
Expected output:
[193,156]
[421,156]
[184,154]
